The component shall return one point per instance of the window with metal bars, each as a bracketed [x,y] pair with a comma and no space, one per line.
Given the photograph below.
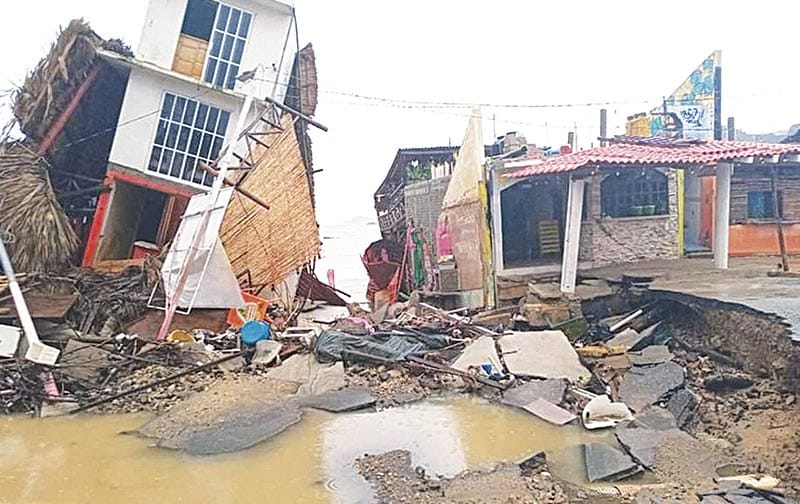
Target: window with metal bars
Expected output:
[631,194]
[188,132]
[228,38]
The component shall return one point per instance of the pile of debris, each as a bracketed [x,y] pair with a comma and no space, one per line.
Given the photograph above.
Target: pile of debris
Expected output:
[671,377]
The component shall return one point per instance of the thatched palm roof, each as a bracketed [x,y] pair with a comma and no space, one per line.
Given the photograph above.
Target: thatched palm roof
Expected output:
[50,85]
[32,221]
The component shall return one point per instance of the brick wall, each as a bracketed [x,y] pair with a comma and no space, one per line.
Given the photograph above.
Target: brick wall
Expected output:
[790,193]
[423,202]
[630,239]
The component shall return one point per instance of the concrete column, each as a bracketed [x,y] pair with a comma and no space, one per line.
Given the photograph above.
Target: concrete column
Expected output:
[497,222]
[723,213]
[572,235]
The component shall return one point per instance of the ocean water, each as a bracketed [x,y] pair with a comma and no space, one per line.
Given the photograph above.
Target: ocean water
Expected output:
[342,246]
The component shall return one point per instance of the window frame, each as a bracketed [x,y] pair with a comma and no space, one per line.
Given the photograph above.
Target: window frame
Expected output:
[205,179]
[218,59]
[633,179]
[767,195]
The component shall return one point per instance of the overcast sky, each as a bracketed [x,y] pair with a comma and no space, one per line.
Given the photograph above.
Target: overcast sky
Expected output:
[626,53]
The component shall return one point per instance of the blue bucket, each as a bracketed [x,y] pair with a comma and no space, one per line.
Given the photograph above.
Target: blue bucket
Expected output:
[254,331]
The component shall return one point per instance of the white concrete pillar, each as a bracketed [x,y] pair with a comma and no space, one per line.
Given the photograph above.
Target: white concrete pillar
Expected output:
[497,222]
[572,235]
[723,213]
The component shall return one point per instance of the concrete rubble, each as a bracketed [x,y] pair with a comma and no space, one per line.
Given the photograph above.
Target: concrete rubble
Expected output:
[642,387]
[552,390]
[606,463]
[647,382]
[542,354]
[549,412]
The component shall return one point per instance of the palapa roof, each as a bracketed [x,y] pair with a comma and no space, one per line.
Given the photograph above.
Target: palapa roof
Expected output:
[656,151]
[51,84]
[33,223]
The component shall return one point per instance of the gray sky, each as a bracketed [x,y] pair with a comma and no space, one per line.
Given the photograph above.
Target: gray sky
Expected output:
[630,53]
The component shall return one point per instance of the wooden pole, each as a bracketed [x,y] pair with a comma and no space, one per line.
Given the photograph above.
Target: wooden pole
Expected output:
[603,127]
[63,118]
[779,220]
[244,192]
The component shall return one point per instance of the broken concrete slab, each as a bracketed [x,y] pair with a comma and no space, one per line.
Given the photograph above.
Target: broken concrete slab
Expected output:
[266,352]
[479,352]
[550,390]
[651,355]
[657,418]
[545,291]
[627,338]
[549,412]
[83,361]
[311,376]
[606,463]
[348,399]
[644,386]
[643,443]
[248,429]
[234,413]
[616,362]
[542,354]
[683,406]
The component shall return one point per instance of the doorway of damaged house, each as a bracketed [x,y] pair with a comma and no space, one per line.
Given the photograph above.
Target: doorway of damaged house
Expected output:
[533,219]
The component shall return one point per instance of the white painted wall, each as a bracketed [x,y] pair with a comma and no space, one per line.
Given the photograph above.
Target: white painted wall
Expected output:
[139,115]
[162,27]
[265,43]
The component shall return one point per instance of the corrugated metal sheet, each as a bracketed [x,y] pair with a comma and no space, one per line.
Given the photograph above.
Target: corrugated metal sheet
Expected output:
[654,153]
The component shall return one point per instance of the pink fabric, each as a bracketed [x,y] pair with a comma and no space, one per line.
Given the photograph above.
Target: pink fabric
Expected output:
[444,246]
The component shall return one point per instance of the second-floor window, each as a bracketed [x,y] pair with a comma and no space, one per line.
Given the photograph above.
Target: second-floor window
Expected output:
[216,32]
[189,132]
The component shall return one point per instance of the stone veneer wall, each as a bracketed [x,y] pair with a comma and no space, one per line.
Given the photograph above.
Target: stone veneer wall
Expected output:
[629,239]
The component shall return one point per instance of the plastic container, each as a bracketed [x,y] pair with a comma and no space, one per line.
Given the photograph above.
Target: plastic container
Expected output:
[254,331]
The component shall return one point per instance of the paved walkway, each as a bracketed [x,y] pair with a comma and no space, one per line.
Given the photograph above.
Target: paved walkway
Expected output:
[745,282]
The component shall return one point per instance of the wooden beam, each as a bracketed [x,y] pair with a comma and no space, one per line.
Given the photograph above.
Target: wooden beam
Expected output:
[98,189]
[244,192]
[62,119]
[779,221]
[297,114]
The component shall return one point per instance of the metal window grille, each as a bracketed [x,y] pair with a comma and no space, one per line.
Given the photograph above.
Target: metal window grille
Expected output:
[188,132]
[629,195]
[228,38]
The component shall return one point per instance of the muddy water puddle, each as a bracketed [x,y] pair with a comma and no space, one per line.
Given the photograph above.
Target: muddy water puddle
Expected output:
[85,460]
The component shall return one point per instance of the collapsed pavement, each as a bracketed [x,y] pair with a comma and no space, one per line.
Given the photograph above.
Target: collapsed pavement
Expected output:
[693,378]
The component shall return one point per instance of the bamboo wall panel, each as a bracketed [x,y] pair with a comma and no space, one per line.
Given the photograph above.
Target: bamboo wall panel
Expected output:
[267,245]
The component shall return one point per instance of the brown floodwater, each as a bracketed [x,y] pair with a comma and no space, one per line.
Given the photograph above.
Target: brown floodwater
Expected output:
[85,459]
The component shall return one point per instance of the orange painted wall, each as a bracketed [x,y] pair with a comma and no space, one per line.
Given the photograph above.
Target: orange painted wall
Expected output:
[762,239]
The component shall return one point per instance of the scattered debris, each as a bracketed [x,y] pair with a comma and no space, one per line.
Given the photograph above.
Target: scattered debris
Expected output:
[339,401]
[310,376]
[606,463]
[542,354]
[394,479]
[476,354]
[549,412]
[600,413]
[550,390]
[642,387]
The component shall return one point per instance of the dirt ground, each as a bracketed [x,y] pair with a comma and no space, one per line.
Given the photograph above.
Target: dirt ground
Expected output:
[395,480]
